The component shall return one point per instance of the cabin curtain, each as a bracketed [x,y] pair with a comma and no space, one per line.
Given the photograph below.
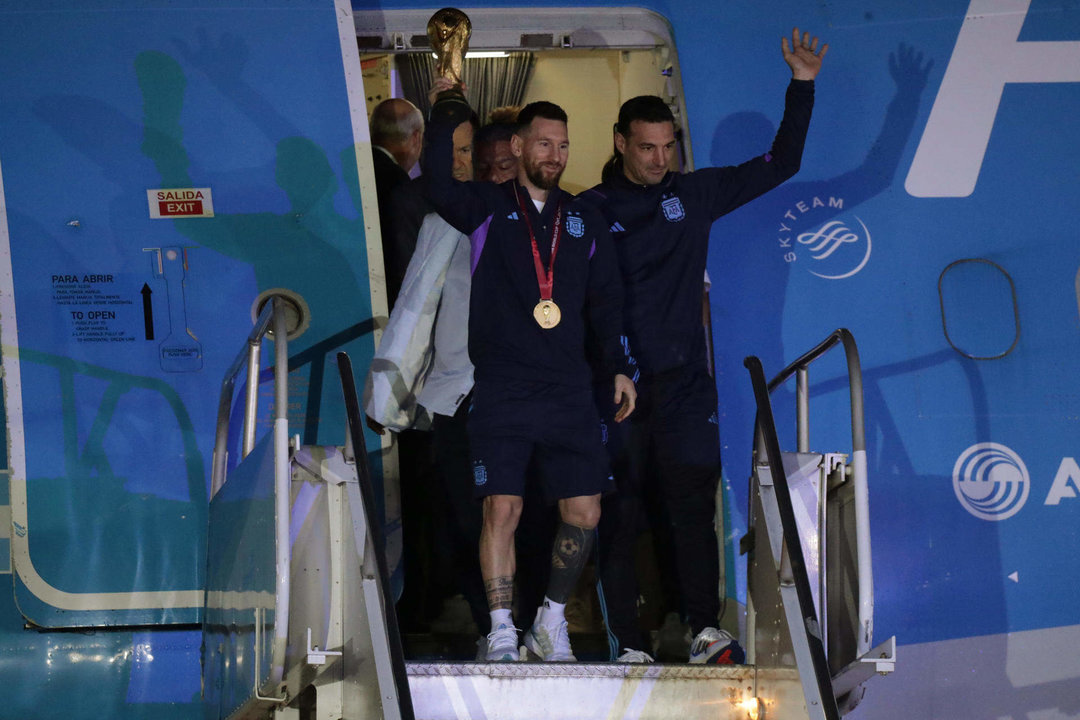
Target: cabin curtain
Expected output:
[489,82]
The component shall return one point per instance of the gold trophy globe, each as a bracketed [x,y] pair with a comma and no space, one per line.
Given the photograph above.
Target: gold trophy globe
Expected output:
[448,32]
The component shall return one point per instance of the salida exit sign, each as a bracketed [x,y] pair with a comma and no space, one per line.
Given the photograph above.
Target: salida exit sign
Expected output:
[172,203]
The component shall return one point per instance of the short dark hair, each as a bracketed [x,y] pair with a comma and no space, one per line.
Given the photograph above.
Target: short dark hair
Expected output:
[504,114]
[647,108]
[474,120]
[540,109]
[494,132]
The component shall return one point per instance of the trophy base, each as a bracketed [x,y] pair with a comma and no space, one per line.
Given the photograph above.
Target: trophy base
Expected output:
[454,94]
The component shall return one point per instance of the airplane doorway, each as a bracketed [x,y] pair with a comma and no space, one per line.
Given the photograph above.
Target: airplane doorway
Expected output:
[589,61]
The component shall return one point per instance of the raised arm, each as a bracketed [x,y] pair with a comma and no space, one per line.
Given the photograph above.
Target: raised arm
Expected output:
[803,57]
[462,204]
[728,188]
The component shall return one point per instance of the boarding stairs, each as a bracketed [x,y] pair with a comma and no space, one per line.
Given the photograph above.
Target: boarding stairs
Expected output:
[299,622]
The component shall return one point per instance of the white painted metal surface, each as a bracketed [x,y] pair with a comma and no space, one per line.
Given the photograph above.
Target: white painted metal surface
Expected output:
[557,691]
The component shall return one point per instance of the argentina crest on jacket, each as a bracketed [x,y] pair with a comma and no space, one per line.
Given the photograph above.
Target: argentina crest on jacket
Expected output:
[673,209]
[575,225]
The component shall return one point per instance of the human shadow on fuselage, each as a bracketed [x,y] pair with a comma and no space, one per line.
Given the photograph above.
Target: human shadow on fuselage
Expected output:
[754,253]
[915,584]
[749,272]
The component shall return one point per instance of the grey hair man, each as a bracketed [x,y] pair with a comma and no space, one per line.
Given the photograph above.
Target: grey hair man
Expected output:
[397,137]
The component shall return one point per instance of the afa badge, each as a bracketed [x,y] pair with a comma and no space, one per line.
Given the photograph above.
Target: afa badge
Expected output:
[673,209]
[479,474]
[575,225]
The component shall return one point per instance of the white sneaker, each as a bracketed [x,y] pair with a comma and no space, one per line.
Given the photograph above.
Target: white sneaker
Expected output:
[716,647]
[634,656]
[502,644]
[550,643]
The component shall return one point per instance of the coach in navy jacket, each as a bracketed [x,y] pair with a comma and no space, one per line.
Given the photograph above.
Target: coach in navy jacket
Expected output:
[660,224]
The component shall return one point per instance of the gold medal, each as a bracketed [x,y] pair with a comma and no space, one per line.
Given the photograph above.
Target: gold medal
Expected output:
[547,314]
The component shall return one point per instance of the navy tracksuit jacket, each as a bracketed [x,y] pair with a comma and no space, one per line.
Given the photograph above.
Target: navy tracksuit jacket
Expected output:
[661,237]
[505,342]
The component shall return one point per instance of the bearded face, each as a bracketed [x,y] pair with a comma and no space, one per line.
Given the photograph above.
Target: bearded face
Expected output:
[544,174]
[543,148]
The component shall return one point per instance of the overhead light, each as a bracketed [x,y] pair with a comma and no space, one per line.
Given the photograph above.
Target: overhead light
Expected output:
[481,54]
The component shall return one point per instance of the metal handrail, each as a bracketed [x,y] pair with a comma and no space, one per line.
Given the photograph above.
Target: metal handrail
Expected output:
[248,356]
[272,316]
[858,461]
[356,446]
[766,431]
[851,352]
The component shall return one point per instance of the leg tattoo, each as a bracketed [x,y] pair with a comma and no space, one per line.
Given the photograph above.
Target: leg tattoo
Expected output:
[500,592]
[568,558]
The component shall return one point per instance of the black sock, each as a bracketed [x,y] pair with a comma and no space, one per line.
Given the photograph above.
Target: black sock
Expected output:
[568,557]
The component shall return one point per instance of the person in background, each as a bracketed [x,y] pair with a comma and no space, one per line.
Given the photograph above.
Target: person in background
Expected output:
[397,138]
[416,391]
[409,206]
[495,162]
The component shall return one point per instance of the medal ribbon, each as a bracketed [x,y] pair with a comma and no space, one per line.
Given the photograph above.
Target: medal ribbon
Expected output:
[545,278]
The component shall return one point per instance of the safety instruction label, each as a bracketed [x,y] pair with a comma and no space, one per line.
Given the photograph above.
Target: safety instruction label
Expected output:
[173,203]
[93,306]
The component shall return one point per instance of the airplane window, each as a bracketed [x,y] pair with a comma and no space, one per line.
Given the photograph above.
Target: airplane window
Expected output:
[979,313]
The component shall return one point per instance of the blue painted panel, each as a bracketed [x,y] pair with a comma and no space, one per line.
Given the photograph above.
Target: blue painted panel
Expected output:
[941,572]
[115,673]
[127,323]
[241,583]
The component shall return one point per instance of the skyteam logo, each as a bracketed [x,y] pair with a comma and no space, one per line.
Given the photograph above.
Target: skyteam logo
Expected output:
[831,245]
[991,481]
[575,225]
[673,209]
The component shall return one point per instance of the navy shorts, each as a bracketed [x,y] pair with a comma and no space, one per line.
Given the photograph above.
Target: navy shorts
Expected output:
[518,429]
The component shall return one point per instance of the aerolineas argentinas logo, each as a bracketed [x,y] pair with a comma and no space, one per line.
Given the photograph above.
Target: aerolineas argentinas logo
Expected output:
[828,243]
[991,481]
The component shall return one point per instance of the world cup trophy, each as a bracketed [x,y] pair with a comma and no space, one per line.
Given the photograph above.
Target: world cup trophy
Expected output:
[448,31]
